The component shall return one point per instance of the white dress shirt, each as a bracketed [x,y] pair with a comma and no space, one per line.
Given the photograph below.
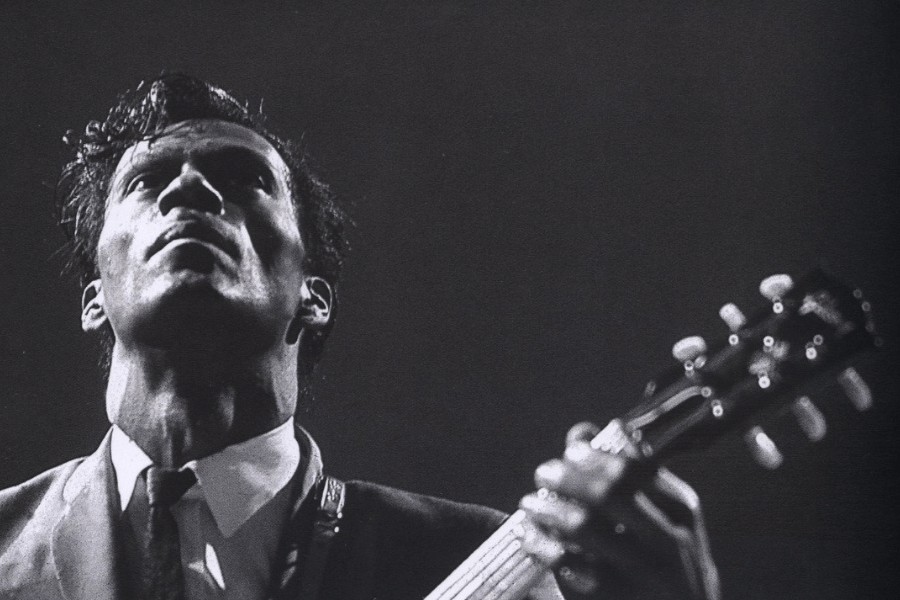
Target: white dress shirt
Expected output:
[230,522]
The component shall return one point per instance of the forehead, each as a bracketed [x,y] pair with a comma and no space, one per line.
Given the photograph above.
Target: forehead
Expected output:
[202,138]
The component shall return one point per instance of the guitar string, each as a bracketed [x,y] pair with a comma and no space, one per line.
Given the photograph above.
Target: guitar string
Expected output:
[482,581]
[510,571]
[476,569]
[478,562]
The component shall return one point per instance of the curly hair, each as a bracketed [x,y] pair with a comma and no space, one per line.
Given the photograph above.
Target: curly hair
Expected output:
[143,114]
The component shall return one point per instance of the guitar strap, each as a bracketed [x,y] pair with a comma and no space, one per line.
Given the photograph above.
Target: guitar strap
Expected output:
[327,524]
[304,567]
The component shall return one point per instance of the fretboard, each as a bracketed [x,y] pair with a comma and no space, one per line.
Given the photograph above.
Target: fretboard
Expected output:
[498,570]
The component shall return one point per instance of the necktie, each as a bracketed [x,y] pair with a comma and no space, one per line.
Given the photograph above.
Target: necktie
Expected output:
[163,577]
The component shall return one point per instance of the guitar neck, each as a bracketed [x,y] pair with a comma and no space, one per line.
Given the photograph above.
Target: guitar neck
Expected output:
[807,330]
[498,570]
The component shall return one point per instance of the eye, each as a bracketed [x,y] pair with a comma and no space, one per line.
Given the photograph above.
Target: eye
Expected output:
[247,179]
[148,180]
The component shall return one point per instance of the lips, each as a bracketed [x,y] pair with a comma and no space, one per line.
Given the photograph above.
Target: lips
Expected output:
[194,230]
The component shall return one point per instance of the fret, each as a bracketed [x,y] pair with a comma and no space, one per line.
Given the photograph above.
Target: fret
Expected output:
[516,583]
[484,580]
[475,564]
[498,570]
[809,329]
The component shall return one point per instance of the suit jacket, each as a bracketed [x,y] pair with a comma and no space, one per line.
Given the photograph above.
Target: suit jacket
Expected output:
[58,538]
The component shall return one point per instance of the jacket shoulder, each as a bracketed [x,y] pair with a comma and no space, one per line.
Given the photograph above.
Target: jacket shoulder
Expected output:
[27,502]
[421,511]
[397,544]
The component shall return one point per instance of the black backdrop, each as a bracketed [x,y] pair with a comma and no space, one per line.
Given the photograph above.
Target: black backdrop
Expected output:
[548,194]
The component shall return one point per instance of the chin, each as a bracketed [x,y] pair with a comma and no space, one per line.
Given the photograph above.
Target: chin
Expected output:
[184,286]
[198,310]
[180,305]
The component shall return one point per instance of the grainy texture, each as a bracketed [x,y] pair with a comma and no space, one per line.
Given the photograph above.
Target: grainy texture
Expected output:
[547,197]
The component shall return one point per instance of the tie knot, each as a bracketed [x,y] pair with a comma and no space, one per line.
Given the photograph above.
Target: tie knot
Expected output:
[166,486]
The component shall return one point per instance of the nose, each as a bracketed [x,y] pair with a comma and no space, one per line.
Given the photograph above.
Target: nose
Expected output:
[191,190]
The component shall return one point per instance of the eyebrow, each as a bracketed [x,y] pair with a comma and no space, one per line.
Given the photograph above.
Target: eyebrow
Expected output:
[238,155]
[224,156]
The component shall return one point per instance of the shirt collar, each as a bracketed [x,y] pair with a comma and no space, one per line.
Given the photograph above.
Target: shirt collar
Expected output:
[235,482]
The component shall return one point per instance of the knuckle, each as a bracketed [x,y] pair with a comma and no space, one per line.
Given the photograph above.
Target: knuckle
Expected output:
[541,546]
[580,452]
[529,503]
[616,466]
[584,432]
[578,579]
[549,474]
[597,491]
[571,517]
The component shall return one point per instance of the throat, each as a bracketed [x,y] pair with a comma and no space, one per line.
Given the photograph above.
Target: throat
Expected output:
[178,412]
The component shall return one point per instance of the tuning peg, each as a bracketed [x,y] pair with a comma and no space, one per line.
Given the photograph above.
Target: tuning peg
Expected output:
[732,316]
[856,389]
[689,348]
[763,449]
[774,287]
[810,419]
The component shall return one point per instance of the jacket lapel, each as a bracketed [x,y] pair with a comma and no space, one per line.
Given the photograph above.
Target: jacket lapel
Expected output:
[85,552]
[84,545]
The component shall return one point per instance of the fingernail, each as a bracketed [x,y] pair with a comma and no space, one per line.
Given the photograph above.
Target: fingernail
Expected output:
[575,518]
[578,451]
[549,473]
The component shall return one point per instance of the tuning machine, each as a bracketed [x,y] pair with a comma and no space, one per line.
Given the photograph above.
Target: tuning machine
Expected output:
[774,287]
[856,389]
[763,449]
[809,418]
[766,452]
[690,351]
[733,317]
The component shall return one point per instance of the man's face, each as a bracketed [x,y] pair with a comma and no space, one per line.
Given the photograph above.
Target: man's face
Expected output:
[200,233]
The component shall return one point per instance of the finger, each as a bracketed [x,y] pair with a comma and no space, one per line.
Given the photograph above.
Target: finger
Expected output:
[580,579]
[587,476]
[617,566]
[547,510]
[696,548]
[668,521]
[581,454]
[633,548]
[580,530]
[601,481]
[541,546]
[677,501]
[676,488]
[582,432]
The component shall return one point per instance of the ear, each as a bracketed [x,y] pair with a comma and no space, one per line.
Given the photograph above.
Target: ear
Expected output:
[93,313]
[314,312]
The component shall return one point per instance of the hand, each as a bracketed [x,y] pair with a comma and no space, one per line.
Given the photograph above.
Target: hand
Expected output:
[612,529]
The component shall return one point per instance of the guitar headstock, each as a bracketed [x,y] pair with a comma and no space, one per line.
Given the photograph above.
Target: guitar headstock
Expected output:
[809,329]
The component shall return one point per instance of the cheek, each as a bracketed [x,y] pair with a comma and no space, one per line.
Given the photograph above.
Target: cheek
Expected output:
[285,266]
[277,242]
[108,250]
[116,245]
[293,251]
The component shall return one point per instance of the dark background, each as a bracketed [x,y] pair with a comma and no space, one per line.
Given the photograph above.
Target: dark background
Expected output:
[548,194]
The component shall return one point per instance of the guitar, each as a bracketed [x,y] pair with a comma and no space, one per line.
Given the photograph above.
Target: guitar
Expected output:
[808,330]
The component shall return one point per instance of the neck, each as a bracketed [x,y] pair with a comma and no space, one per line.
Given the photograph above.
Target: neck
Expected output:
[185,404]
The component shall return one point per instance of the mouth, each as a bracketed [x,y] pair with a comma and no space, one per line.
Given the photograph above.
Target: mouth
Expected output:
[196,231]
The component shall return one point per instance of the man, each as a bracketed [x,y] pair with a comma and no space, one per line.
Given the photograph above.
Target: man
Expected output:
[209,257]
